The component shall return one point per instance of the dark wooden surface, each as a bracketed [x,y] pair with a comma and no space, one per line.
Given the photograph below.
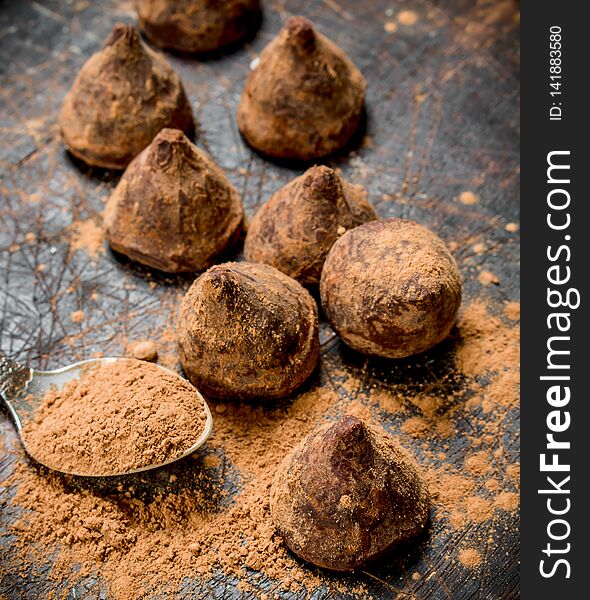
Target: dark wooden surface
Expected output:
[443,116]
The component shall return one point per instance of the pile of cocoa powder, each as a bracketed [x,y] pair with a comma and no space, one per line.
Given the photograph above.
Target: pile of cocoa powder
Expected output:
[116,418]
[208,516]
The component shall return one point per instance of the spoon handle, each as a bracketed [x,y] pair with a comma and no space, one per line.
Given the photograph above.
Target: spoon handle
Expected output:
[13,378]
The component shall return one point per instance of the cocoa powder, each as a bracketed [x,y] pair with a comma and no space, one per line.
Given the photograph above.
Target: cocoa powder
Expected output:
[117,417]
[88,235]
[209,516]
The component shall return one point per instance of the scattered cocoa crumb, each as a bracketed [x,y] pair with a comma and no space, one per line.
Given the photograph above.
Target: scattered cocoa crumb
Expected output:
[212,461]
[486,277]
[493,485]
[507,501]
[87,235]
[146,350]
[470,558]
[478,463]
[486,343]
[78,316]
[467,198]
[513,471]
[478,508]
[407,17]
[116,418]
[512,311]
[388,402]
[415,426]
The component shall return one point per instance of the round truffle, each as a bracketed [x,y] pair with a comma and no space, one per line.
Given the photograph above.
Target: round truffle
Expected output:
[296,228]
[173,209]
[347,494]
[247,331]
[390,288]
[121,98]
[305,98]
[196,25]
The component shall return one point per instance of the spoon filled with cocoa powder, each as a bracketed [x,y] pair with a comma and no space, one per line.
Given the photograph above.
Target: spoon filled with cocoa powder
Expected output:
[104,417]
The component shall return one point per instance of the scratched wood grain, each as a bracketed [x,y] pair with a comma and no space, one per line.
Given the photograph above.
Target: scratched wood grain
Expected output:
[443,116]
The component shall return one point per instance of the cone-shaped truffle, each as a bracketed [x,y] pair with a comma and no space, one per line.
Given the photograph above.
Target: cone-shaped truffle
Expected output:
[347,494]
[173,208]
[304,100]
[122,97]
[196,25]
[296,228]
[390,288]
[247,331]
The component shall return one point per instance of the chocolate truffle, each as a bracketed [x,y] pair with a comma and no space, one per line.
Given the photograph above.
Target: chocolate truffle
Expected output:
[196,25]
[247,331]
[296,228]
[173,208]
[122,97]
[347,494]
[390,288]
[304,100]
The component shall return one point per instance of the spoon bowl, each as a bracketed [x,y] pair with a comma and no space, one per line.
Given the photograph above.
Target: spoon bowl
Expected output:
[22,390]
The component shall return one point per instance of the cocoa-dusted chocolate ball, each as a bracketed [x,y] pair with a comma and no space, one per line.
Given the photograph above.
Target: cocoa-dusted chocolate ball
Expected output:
[296,228]
[390,288]
[196,25]
[173,208]
[247,331]
[347,494]
[305,98]
[122,97]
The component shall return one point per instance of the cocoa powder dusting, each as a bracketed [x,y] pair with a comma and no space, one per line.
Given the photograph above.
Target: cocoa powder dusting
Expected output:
[190,529]
[209,515]
[145,350]
[116,418]
[87,235]
[470,558]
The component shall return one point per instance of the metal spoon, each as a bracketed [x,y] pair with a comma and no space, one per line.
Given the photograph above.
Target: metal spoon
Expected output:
[22,390]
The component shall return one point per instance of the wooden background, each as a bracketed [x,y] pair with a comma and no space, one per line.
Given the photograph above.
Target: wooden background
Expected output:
[443,117]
